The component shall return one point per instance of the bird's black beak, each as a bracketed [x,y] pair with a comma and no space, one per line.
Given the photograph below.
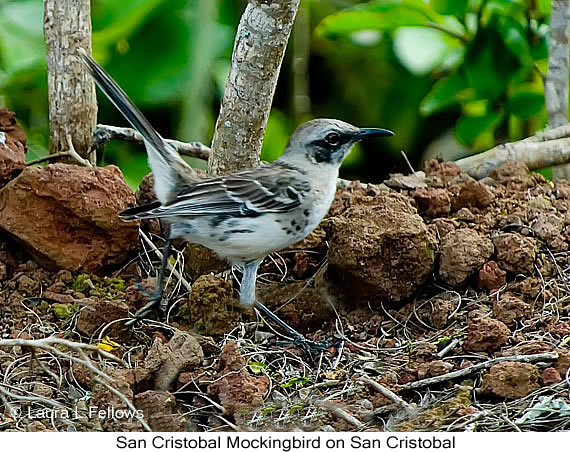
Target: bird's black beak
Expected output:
[368,133]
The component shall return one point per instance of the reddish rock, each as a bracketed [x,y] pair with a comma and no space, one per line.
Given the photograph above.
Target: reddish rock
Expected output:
[235,388]
[442,170]
[12,147]
[463,252]
[437,312]
[469,193]
[433,369]
[510,380]
[444,226]
[67,216]
[510,172]
[491,276]
[212,308]
[547,226]
[485,334]
[563,362]
[380,251]
[550,376]
[515,253]
[167,361]
[159,411]
[433,201]
[510,309]
[97,313]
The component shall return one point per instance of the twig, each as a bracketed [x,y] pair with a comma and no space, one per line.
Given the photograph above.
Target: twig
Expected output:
[49,344]
[477,367]
[384,391]
[412,170]
[176,273]
[73,153]
[339,413]
[104,133]
[46,158]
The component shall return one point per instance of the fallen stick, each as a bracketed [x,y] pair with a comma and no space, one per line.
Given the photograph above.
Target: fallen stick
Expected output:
[550,356]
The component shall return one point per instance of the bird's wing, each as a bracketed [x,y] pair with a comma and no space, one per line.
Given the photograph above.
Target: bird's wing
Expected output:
[247,193]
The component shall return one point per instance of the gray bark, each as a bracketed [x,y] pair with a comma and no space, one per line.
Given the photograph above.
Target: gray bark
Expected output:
[542,150]
[259,47]
[556,80]
[71,91]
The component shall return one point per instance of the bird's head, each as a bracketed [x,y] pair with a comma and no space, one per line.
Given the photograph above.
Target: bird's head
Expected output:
[327,141]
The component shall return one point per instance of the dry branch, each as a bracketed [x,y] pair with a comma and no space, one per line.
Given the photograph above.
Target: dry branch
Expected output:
[259,47]
[71,91]
[104,133]
[550,356]
[540,151]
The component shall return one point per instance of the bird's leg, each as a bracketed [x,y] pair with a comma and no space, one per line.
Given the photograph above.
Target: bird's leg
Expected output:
[247,297]
[298,338]
[156,295]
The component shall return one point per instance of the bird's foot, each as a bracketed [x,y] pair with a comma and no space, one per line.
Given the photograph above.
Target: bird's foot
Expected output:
[313,347]
[154,305]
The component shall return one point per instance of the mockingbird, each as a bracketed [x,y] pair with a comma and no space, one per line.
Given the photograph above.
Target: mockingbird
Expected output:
[246,215]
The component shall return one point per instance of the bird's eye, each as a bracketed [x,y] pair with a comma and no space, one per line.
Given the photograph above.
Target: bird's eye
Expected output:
[333,138]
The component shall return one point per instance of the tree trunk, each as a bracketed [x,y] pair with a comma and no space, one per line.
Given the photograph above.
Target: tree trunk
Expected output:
[71,91]
[556,81]
[259,47]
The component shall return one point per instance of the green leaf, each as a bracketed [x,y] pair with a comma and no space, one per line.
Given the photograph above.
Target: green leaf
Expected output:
[257,367]
[443,94]
[450,7]
[420,50]
[384,15]
[471,127]
[514,38]
[489,64]
[525,104]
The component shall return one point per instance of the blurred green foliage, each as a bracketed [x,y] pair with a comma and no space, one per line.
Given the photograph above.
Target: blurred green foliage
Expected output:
[420,67]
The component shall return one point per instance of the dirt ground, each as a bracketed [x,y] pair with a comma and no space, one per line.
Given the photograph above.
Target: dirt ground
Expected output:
[443,301]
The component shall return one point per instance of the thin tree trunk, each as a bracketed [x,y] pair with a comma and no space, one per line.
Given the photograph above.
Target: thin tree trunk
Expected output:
[71,91]
[259,47]
[556,81]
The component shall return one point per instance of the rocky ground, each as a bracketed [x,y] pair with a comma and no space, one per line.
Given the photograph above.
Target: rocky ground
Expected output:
[444,302]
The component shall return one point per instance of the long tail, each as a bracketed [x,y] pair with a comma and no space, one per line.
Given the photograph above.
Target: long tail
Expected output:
[169,169]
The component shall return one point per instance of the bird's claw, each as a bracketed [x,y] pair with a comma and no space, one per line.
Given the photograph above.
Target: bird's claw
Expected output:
[301,341]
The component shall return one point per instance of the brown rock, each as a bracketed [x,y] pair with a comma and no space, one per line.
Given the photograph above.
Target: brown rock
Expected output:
[437,312]
[199,260]
[444,226]
[547,226]
[159,411]
[484,334]
[212,308]
[12,147]
[509,309]
[443,170]
[510,172]
[515,253]
[433,369]
[563,362]
[491,276]
[433,201]
[469,193]
[167,361]
[66,215]
[383,250]
[511,380]
[235,388]
[97,313]
[550,376]
[463,252]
